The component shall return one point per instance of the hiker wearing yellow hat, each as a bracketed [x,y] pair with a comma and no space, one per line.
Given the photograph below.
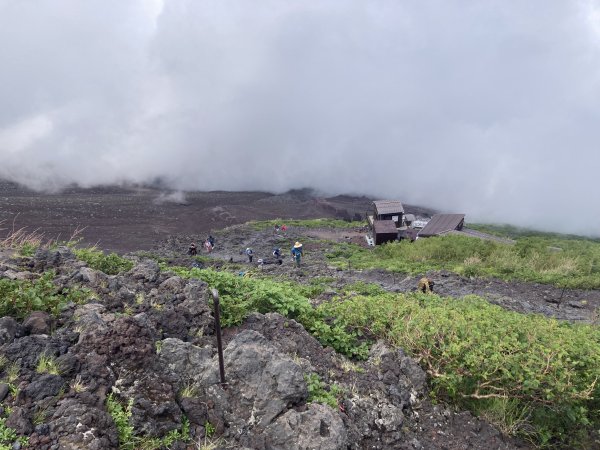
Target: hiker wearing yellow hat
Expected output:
[297,252]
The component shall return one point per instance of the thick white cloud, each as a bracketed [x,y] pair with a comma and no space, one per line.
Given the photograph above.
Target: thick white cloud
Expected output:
[488,108]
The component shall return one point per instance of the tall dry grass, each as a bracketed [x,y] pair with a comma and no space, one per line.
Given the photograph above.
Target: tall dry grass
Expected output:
[22,238]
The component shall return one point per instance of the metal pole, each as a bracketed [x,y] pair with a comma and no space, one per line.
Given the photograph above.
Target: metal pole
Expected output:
[215,295]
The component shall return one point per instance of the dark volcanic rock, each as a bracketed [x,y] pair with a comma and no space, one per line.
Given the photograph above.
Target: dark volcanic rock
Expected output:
[27,350]
[266,382]
[9,328]
[38,322]
[319,427]
[45,259]
[19,421]
[75,425]
[126,342]
[47,385]
[188,362]
[145,270]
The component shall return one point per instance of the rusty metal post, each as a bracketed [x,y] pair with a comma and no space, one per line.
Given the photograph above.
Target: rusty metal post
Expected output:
[215,295]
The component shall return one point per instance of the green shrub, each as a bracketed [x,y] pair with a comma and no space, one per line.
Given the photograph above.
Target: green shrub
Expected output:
[18,298]
[8,436]
[28,248]
[110,264]
[319,392]
[239,296]
[120,416]
[538,375]
[129,441]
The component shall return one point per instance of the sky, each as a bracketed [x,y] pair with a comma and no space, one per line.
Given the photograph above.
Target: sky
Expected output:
[490,108]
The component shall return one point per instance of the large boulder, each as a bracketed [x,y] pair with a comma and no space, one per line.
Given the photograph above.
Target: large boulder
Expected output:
[45,386]
[263,383]
[146,270]
[45,259]
[318,428]
[192,364]
[79,426]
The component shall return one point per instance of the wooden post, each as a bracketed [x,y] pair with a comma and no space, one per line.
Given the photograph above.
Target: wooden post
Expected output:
[215,295]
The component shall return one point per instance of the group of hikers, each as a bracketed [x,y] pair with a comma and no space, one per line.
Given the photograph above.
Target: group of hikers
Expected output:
[297,252]
[282,228]
[209,245]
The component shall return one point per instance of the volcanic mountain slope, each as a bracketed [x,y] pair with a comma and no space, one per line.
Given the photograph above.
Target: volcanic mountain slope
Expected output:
[136,367]
[134,218]
[575,305]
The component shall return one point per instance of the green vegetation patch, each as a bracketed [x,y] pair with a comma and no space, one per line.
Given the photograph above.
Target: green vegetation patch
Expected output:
[18,298]
[127,438]
[320,392]
[239,296]
[110,264]
[536,377]
[563,262]
[8,436]
[306,223]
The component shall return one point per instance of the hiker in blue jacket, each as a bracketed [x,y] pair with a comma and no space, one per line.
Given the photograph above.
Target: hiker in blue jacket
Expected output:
[297,253]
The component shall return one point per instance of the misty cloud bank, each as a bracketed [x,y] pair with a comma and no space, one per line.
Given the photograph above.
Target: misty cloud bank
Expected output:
[488,108]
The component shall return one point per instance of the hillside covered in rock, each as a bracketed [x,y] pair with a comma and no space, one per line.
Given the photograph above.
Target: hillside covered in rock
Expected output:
[129,360]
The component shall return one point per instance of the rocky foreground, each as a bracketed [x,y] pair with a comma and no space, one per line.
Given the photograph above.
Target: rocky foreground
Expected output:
[145,340]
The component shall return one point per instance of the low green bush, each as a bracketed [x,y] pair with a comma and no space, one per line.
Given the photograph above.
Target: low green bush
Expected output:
[239,296]
[127,438]
[110,264]
[539,378]
[18,298]
[8,436]
[320,392]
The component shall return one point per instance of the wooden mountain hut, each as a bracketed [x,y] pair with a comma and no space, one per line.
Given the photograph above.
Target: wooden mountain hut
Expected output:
[384,231]
[388,210]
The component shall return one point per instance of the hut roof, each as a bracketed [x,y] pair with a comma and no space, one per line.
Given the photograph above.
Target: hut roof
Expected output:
[388,206]
[441,223]
[384,227]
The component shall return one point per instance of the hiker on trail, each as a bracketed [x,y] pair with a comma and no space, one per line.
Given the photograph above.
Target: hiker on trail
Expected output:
[277,255]
[297,252]
[209,244]
[249,253]
[426,285]
[276,228]
[192,250]
[283,228]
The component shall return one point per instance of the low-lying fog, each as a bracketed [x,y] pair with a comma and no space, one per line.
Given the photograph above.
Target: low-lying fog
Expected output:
[487,108]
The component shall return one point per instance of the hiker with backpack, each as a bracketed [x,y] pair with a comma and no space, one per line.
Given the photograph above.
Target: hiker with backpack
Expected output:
[297,253]
[426,285]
